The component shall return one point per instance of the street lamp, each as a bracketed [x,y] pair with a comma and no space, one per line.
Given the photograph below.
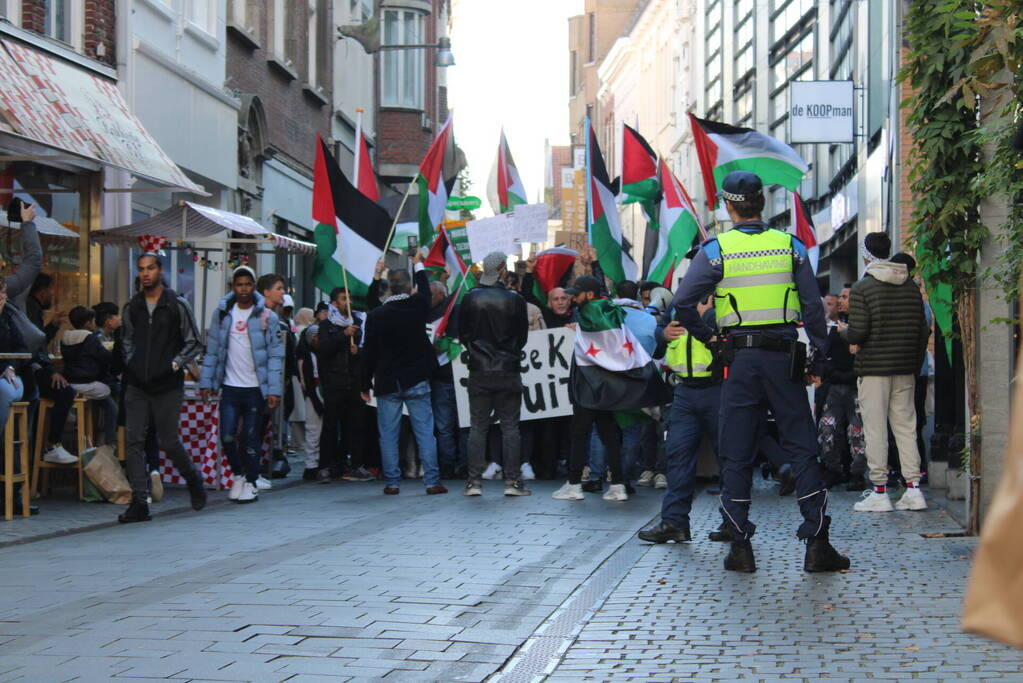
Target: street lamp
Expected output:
[368,35]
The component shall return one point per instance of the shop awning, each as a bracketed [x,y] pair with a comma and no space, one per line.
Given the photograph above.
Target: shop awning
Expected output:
[49,229]
[59,106]
[189,222]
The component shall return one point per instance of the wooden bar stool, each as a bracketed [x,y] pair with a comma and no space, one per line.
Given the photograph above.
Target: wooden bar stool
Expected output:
[16,446]
[83,430]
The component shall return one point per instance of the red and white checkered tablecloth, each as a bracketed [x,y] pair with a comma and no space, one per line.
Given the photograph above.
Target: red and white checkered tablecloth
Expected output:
[200,434]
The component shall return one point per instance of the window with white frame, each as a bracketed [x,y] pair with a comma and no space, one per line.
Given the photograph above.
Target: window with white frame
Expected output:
[403,69]
[359,11]
[11,10]
[318,42]
[279,30]
[62,20]
[238,11]
[202,14]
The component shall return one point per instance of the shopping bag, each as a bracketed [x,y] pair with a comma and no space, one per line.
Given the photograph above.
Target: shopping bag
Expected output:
[90,493]
[994,594]
[106,474]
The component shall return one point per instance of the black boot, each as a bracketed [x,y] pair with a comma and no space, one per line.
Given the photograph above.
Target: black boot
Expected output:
[740,558]
[786,480]
[723,534]
[662,533]
[822,557]
[138,511]
[594,486]
[198,493]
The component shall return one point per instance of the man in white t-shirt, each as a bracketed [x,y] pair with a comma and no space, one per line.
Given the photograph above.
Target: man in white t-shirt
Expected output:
[244,360]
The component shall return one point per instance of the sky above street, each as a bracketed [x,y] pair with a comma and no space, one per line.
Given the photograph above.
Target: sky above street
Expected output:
[511,70]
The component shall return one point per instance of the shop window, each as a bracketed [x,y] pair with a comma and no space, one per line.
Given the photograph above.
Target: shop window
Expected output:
[403,69]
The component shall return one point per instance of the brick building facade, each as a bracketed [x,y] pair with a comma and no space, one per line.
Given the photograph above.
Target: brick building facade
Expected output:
[96,19]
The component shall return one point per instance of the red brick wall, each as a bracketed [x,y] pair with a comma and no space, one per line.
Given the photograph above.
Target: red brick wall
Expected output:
[292,116]
[100,25]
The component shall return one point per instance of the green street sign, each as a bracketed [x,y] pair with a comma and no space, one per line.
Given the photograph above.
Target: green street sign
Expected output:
[467,203]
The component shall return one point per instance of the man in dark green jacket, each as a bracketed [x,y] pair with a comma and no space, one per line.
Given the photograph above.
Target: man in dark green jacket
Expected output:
[888,333]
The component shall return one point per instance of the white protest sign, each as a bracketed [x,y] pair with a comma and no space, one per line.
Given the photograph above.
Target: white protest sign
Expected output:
[544,364]
[530,222]
[489,235]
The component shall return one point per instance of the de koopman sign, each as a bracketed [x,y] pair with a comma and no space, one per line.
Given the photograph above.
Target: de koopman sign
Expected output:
[820,111]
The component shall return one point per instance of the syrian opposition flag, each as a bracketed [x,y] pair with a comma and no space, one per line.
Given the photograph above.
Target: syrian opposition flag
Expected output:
[505,190]
[605,230]
[550,269]
[610,369]
[805,230]
[678,227]
[351,229]
[365,179]
[722,149]
[433,192]
[639,174]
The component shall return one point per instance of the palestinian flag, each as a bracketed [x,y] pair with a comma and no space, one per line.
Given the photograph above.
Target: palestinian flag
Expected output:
[550,269]
[722,149]
[805,230]
[610,369]
[365,179]
[505,190]
[351,229]
[678,227]
[605,230]
[445,255]
[639,174]
[433,192]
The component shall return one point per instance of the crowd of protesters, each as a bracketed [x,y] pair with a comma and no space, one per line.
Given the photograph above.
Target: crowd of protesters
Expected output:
[363,384]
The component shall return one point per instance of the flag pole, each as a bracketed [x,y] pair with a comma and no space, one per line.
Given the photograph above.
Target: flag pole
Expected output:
[344,282]
[397,215]
[358,147]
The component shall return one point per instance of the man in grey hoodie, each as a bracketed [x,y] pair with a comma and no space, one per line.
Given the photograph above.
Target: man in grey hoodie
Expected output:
[888,334]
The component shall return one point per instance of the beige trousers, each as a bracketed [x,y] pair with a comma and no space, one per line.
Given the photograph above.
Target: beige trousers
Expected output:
[888,400]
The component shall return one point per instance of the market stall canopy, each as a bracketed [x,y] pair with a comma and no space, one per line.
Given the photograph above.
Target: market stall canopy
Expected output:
[50,102]
[189,222]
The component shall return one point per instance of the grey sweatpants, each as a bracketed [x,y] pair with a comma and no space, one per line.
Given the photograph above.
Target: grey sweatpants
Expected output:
[165,409]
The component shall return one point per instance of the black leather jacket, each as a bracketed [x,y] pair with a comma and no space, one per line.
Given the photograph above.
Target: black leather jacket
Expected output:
[492,326]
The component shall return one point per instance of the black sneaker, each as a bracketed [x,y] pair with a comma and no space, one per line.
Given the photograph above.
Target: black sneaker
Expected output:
[137,511]
[740,558]
[198,493]
[822,557]
[629,488]
[309,474]
[323,476]
[723,534]
[516,488]
[593,486]
[786,480]
[662,533]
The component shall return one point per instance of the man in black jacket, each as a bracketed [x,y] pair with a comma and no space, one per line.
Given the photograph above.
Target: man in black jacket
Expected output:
[159,338]
[493,326]
[840,418]
[450,450]
[340,366]
[399,361]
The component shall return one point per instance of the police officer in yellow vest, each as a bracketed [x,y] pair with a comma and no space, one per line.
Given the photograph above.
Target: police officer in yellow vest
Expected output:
[693,413]
[764,287]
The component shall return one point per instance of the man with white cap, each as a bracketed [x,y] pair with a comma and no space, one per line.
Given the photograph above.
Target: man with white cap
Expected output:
[493,327]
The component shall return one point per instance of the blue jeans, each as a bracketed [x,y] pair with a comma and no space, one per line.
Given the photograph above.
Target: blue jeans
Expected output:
[420,411]
[694,412]
[445,422]
[631,441]
[244,406]
[9,393]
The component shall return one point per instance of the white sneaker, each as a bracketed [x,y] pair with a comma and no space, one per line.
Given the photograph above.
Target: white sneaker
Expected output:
[527,472]
[586,473]
[912,499]
[569,492]
[493,471]
[616,492]
[472,489]
[874,502]
[645,479]
[249,494]
[156,485]
[236,488]
[58,456]
[661,481]
[263,484]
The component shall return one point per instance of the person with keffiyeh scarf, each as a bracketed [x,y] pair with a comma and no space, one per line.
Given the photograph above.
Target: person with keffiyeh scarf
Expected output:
[340,365]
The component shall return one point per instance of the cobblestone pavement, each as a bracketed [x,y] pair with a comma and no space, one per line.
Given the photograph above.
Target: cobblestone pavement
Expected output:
[341,583]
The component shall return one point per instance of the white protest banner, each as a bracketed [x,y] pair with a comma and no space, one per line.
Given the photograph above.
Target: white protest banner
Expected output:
[544,364]
[530,222]
[490,234]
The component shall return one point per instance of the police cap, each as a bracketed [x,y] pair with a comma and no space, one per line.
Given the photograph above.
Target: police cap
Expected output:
[741,186]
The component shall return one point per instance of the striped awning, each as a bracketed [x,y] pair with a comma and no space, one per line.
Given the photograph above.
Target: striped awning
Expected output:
[49,230]
[189,222]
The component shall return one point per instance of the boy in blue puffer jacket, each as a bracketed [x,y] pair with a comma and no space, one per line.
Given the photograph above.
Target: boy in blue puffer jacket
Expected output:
[245,356]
